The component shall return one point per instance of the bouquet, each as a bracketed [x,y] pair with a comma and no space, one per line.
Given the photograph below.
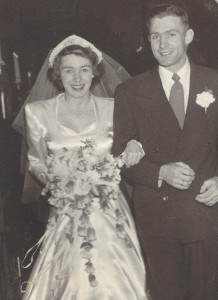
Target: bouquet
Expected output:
[75,174]
[76,178]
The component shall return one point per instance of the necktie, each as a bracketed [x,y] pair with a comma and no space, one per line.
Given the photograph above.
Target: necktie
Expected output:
[176,99]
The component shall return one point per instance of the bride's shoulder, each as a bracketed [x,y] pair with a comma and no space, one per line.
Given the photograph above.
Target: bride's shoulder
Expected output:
[105,107]
[104,100]
[42,104]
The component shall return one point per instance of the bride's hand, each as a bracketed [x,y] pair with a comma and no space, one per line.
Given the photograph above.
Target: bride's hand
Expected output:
[133,153]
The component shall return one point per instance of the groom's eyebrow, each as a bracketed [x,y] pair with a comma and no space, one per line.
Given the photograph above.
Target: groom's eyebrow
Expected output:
[168,31]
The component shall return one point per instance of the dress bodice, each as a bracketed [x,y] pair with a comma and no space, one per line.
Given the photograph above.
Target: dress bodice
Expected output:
[49,129]
[62,270]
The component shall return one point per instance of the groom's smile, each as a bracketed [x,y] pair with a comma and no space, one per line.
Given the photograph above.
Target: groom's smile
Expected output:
[169,39]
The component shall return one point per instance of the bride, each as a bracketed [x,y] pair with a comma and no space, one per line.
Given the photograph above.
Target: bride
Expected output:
[105,263]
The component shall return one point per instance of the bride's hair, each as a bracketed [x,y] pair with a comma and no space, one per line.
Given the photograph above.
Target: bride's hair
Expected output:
[54,72]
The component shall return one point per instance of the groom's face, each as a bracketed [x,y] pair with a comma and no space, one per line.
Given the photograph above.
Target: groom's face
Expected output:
[169,38]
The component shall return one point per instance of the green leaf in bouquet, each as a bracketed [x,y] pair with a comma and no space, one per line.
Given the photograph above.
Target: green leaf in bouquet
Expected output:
[82,231]
[87,246]
[119,216]
[91,234]
[69,187]
[92,280]
[120,230]
[70,237]
[128,242]
[84,219]
[89,267]
[86,254]
[89,208]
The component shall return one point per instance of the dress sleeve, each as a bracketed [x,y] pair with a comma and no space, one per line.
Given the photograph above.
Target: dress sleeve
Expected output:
[37,146]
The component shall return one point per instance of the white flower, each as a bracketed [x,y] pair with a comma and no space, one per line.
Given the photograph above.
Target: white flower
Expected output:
[60,171]
[205,99]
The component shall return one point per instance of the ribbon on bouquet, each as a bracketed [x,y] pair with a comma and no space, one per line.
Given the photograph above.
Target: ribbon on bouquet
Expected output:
[53,225]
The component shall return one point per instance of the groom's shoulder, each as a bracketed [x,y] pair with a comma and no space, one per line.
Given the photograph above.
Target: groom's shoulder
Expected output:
[141,80]
[206,72]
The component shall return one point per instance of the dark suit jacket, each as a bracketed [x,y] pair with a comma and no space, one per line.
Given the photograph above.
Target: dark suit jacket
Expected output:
[142,112]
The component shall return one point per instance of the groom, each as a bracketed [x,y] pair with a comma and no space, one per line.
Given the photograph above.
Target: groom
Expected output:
[172,111]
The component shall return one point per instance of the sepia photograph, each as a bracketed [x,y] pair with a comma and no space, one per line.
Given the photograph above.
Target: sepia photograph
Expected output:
[109,150]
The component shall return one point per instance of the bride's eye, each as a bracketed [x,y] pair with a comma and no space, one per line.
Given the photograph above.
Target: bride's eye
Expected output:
[68,71]
[85,70]
[154,37]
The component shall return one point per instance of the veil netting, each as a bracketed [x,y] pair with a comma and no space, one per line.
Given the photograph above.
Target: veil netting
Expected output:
[112,75]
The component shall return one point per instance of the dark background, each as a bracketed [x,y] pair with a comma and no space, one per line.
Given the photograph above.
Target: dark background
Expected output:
[31,28]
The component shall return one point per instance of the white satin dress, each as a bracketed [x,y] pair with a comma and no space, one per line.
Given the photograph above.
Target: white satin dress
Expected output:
[59,271]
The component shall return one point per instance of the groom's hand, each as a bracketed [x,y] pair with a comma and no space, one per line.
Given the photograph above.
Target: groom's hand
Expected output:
[209,192]
[178,175]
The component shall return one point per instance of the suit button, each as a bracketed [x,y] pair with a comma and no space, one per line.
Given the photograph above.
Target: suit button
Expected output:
[165,198]
[208,145]
[155,149]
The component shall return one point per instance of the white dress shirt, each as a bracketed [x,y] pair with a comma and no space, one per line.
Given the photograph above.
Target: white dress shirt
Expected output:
[167,81]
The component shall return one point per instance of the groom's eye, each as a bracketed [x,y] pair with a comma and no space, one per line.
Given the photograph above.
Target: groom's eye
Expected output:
[172,34]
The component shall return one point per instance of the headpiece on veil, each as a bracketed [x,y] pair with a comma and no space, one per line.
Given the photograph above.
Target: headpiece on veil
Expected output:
[112,74]
[73,40]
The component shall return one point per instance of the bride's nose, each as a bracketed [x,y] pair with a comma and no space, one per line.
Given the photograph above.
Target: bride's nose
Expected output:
[77,76]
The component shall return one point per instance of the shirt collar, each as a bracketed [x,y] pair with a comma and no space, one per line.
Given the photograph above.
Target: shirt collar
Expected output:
[166,75]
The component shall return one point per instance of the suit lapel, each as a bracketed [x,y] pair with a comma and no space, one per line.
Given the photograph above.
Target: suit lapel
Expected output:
[157,107]
[196,131]
[195,115]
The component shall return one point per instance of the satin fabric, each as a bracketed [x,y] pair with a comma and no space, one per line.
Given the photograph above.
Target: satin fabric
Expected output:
[59,271]
[112,75]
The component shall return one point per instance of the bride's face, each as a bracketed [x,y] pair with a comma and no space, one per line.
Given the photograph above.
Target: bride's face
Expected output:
[76,74]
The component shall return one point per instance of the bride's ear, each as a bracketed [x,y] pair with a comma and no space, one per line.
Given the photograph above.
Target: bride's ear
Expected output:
[189,36]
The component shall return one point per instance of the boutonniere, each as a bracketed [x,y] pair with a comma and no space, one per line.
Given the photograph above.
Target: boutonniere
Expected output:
[205,99]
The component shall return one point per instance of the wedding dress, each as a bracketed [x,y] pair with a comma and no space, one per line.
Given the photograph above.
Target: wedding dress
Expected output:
[59,272]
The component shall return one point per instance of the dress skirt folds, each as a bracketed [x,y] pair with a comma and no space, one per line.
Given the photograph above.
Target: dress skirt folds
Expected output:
[61,272]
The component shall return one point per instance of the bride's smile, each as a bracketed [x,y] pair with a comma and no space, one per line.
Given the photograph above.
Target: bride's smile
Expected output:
[76,75]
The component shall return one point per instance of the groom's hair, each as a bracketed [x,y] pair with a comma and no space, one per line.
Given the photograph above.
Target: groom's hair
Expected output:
[163,10]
